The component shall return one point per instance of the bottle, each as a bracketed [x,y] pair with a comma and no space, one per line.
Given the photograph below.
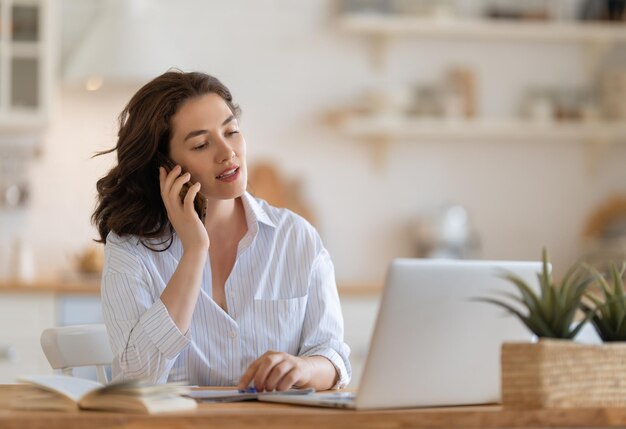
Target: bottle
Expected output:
[22,268]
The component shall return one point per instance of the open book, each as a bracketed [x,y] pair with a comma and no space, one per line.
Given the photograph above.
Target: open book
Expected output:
[61,392]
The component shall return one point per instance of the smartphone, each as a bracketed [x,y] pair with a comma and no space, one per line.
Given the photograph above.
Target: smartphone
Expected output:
[199,202]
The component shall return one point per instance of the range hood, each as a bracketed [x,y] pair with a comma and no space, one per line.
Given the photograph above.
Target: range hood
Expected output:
[129,41]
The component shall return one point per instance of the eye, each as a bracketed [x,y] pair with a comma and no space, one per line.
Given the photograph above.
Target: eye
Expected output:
[200,146]
[230,133]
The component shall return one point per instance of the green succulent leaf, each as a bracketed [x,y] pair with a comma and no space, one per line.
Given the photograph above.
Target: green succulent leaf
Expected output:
[546,278]
[580,325]
[620,332]
[608,315]
[618,287]
[535,324]
[601,281]
[601,327]
[530,299]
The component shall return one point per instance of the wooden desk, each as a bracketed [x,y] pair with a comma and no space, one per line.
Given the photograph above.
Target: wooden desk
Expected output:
[276,416]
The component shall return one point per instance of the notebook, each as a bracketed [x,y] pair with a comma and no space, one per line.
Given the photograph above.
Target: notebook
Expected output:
[433,344]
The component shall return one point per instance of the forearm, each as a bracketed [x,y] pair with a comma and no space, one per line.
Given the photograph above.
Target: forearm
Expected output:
[181,293]
[323,373]
[146,347]
[141,359]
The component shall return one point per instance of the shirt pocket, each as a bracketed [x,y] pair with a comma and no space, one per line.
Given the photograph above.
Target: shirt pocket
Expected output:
[278,324]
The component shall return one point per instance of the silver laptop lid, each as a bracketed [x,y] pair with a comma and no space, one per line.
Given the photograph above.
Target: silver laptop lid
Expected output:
[432,345]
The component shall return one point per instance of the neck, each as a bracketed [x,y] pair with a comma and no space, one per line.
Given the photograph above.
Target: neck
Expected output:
[224,217]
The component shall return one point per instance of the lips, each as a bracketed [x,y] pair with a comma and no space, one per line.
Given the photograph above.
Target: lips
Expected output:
[229,172]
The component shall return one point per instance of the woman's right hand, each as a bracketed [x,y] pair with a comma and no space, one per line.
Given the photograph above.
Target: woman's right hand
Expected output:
[182,215]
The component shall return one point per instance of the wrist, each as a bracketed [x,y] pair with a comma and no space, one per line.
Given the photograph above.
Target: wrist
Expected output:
[322,374]
[196,253]
[309,369]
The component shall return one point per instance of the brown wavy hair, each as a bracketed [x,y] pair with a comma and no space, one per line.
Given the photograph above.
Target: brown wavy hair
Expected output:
[129,197]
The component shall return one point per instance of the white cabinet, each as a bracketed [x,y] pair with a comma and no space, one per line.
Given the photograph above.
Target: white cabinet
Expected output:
[26,69]
[22,319]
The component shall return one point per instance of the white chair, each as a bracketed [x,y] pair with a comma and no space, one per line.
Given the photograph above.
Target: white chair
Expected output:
[68,347]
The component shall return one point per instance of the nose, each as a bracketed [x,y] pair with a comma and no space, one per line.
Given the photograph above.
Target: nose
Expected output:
[228,156]
[226,153]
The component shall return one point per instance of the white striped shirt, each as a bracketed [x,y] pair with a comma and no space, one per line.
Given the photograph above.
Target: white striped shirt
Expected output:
[281,295]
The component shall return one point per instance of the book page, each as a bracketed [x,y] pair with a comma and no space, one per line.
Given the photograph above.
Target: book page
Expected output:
[73,388]
[140,404]
[61,392]
[143,388]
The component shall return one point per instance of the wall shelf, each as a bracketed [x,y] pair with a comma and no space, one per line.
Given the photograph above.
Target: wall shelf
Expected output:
[485,129]
[597,37]
[381,131]
[461,28]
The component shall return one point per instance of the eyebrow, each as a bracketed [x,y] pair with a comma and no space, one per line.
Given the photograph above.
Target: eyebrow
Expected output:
[200,132]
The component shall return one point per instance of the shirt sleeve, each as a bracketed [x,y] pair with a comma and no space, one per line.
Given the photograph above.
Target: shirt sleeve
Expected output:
[144,338]
[322,333]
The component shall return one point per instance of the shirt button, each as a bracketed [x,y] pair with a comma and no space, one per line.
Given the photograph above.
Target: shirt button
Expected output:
[232,334]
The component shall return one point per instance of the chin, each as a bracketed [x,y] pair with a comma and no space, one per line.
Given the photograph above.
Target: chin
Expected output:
[227,194]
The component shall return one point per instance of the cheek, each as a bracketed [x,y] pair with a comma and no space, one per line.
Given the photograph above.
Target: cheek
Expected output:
[243,167]
[241,148]
[195,170]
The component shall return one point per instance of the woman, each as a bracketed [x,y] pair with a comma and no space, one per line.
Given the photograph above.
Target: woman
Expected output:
[247,297]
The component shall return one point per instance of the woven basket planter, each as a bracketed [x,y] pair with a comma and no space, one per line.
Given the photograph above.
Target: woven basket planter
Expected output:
[563,374]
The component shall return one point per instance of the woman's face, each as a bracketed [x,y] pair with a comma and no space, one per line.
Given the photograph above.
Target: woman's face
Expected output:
[206,142]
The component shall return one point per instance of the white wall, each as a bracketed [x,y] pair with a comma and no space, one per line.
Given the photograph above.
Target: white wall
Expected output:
[286,64]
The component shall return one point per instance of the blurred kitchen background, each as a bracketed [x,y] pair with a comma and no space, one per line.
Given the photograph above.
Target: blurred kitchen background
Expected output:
[400,128]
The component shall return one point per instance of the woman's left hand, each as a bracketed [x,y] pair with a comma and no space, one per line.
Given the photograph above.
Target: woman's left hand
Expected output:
[277,371]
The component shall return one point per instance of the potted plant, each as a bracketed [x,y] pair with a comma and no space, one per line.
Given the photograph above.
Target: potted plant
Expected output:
[550,314]
[555,371]
[609,316]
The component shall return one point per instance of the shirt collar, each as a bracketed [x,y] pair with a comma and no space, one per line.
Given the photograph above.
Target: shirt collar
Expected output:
[254,211]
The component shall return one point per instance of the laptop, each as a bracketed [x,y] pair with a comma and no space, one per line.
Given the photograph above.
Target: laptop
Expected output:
[433,344]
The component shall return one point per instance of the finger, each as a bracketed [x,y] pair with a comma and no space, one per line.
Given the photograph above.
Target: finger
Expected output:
[289,380]
[191,195]
[174,191]
[266,365]
[247,377]
[171,177]
[162,179]
[276,375]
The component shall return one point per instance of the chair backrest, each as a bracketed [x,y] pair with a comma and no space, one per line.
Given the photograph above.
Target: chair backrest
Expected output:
[74,346]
